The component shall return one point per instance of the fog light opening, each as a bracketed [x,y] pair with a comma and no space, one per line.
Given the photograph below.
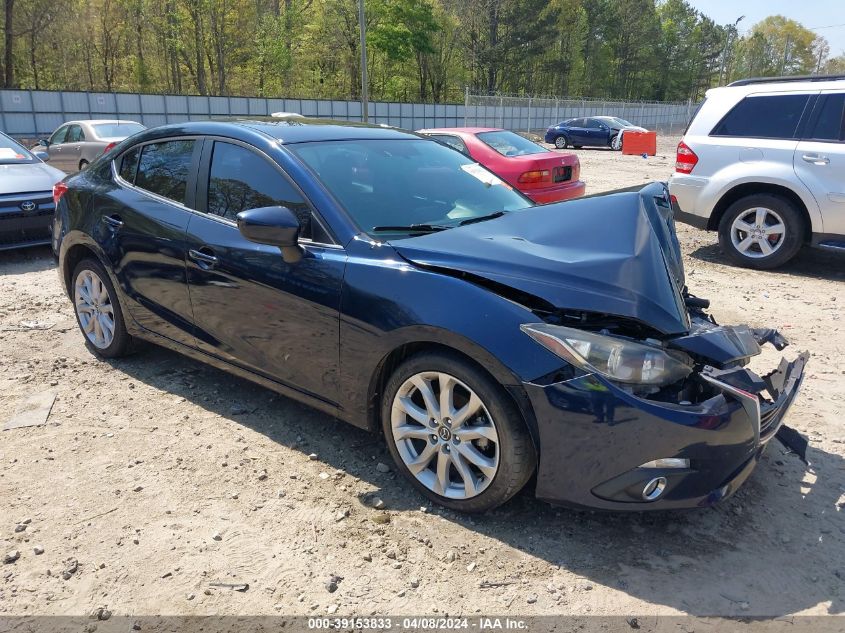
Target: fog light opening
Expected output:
[654,488]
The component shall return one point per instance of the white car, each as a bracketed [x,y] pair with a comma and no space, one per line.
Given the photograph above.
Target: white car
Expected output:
[763,163]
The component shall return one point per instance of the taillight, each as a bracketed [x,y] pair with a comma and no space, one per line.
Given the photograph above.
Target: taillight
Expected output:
[59,189]
[109,147]
[685,159]
[540,175]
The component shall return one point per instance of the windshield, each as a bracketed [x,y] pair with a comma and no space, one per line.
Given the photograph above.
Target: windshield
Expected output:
[399,183]
[117,130]
[13,153]
[619,121]
[510,143]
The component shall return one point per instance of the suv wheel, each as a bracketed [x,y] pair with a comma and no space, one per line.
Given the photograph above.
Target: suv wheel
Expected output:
[455,434]
[761,231]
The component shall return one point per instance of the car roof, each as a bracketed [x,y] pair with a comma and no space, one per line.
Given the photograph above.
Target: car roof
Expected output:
[460,130]
[98,121]
[285,131]
[782,85]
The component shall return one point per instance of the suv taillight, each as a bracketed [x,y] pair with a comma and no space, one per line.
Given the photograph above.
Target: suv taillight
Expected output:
[59,189]
[685,159]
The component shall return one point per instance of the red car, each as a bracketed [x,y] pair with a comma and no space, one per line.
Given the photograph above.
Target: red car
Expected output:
[541,174]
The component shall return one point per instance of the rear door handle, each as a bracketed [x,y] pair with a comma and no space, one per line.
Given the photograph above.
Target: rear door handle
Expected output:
[815,159]
[204,257]
[113,221]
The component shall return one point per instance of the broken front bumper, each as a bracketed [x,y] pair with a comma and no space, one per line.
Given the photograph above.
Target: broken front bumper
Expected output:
[594,437]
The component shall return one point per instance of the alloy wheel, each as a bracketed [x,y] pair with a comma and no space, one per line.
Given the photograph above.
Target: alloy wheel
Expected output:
[445,435]
[560,142]
[758,232]
[94,308]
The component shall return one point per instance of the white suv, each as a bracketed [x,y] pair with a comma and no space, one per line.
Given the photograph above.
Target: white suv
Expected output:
[763,162]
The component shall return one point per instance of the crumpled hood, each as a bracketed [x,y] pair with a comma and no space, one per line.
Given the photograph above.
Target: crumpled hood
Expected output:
[28,177]
[614,254]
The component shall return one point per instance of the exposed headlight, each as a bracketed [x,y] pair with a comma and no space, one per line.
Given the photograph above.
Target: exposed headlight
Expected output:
[618,359]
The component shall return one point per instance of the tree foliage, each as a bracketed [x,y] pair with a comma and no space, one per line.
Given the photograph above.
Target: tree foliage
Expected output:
[429,50]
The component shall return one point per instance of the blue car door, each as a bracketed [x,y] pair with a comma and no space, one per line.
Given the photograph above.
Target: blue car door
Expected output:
[596,133]
[578,132]
[251,308]
[140,225]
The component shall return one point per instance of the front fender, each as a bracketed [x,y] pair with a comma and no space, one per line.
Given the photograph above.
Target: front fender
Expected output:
[388,303]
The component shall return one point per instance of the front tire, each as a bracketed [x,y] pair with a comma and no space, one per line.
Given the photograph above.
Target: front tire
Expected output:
[454,433]
[98,311]
[761,231]
[561,142]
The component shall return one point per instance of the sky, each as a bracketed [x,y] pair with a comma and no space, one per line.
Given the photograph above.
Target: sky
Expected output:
[811,13]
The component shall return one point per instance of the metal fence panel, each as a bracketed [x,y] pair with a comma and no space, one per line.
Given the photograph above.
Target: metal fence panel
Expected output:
[36,113]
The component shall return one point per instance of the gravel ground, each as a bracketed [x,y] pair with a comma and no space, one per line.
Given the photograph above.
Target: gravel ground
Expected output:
[158,479]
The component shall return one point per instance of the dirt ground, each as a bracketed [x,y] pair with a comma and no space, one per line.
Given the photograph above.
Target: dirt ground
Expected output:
[158,477]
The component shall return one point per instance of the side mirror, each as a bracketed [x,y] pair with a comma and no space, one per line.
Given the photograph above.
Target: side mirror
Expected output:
[42,155]
[44,142]
[275,226]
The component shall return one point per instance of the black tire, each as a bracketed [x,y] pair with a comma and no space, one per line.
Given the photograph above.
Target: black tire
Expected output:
[121,340]
[83,164]
[791,242]
[561,142]
[517,458]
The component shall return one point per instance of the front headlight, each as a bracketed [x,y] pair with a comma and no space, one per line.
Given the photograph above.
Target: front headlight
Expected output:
[618,359]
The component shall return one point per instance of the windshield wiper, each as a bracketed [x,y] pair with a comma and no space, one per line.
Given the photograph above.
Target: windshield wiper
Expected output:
[481,218]
[426,228]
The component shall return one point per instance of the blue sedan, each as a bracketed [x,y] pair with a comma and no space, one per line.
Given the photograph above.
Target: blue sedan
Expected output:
[385,279]
[597,131]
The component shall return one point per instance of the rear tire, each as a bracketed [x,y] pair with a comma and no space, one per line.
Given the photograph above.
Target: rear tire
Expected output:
[561,142]
[476,456]
[97,310]
[761,231]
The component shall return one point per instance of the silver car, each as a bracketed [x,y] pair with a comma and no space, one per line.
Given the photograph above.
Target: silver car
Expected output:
[26,196]
[76,143]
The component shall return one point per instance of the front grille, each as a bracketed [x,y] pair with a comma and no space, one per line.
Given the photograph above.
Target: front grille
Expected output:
[562,174]
[25,227]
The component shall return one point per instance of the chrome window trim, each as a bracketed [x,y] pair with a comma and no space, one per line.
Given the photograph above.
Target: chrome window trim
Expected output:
[158,198]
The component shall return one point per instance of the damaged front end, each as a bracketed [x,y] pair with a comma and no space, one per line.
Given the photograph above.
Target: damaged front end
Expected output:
[653,406]
[685,423]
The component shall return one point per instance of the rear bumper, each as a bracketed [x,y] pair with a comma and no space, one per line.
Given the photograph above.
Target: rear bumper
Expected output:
[594,437]
[688,193]
[558,193]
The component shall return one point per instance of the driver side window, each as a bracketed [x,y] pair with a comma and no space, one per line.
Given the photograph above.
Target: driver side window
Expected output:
[59,135]
[239,180]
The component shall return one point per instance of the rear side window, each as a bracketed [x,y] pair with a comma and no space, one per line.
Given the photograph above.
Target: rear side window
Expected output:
[129,164]
[240,180]
[164,167]
[769,116]
[454,142]
[829,123]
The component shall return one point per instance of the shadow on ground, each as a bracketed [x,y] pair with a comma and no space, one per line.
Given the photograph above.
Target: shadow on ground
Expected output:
[733,559]
[810,262]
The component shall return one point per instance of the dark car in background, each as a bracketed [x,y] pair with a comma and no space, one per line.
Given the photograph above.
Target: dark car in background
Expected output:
[26,196]
[390,281]
[596,131]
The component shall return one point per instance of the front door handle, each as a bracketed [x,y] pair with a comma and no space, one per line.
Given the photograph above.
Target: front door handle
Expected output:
[113,221]
[204,257]
[815,159]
